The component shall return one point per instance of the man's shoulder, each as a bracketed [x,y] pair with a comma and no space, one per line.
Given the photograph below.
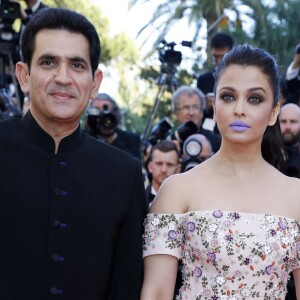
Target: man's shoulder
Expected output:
[205,82]
[128,134]
[206,75]
[107,151]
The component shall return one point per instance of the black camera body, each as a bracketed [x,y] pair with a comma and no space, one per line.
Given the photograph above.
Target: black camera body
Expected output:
[9,12]
[169,57]
[98,120]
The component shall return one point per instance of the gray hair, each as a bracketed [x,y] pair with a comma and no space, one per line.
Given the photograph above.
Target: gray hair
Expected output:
[189,91]
[115,107]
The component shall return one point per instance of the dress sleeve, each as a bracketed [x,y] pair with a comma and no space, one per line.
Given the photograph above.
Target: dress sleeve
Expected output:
[296,261]
[163,234]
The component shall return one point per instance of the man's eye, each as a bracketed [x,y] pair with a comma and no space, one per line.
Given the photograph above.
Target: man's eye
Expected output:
[47,63]
[78,66]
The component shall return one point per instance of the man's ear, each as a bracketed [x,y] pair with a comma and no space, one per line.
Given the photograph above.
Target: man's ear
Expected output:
[22,74]
[150,167]
[274,114]
[98,76]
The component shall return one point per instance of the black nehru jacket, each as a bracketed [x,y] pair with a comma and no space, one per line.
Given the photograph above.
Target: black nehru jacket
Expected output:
[70,223]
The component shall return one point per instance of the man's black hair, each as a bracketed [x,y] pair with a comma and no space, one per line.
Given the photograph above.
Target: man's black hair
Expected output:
[222,40]
[61,19]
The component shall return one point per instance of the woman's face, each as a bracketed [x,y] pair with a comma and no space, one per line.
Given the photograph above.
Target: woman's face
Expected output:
[244,104]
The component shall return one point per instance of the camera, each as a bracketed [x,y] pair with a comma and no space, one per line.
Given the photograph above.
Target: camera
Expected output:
[183,131]
[9,12]
[192,149]
[7,109]
[169,57]
[160,131]
[97,119]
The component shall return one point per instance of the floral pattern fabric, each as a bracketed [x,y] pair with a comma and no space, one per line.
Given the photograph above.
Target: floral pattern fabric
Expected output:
[227,255]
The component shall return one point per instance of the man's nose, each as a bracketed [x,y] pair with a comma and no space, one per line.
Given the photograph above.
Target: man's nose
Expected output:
[62,75]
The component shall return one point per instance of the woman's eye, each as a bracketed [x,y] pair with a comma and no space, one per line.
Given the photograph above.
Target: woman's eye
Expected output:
[227,98]
[255,100]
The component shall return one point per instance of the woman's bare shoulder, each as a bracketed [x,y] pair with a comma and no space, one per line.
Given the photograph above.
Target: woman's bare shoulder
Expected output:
[171,195]
[177,191]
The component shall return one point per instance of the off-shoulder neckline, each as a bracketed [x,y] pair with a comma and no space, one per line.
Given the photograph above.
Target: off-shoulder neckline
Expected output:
[226,212]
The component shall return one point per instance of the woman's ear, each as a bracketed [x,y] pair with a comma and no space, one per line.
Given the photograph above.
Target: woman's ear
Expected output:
[274,114]
[22,74]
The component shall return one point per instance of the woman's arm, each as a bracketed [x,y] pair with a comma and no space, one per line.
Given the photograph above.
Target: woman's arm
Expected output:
[160,273]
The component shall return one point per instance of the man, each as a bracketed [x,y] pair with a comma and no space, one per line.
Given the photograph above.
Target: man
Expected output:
[188,104]
[221,43]
[71,207]
[292,77]
[289,119]
[164,162]
[104,125]
[32,7]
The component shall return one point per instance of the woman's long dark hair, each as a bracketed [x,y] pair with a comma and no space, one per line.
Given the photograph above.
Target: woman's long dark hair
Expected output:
[272,147]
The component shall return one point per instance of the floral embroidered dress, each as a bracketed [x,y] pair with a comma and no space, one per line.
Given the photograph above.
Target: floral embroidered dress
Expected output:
[227,255]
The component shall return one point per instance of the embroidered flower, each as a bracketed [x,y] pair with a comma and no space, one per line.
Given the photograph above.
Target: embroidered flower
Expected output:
[212,227]
[214,242]
[227,223]
[190,226]
[285,240]
[282,225]
[229,238]
[268,250]
[235,216]
[172,234]
[245,292]
[155,221]
[197,272]
[218,214]
[275,247]
[220,280]
[211,256]
[270,219]
[269,269]
[273,232]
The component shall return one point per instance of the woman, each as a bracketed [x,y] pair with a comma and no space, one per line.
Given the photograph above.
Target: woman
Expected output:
[234,219]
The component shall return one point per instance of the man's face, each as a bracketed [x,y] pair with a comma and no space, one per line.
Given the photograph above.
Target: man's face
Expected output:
[60,81]
[218,54]
[289,119]
[189,109]
[162,165]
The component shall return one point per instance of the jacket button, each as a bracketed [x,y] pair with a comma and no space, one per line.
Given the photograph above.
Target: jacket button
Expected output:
[57,258]
[57,224]
[55,291]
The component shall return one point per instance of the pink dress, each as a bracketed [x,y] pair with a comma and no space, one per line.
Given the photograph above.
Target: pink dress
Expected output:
[227,255]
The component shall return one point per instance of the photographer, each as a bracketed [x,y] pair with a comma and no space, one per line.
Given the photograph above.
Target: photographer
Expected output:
[188,104]
[293,77]
[32,7]
[103,119]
